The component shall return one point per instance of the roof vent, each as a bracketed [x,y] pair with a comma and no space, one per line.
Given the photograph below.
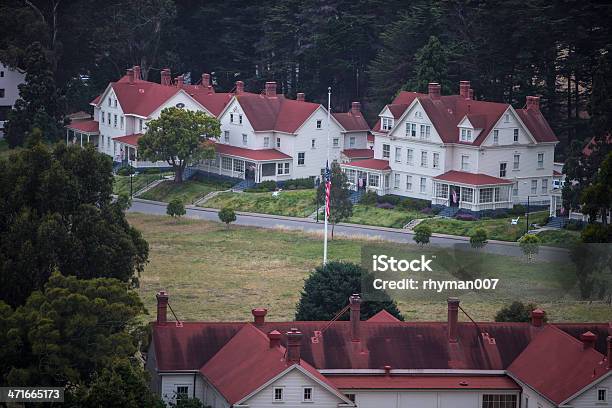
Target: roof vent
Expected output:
[275,338]
[588,340]
[259,316]
[301,97]
[537,317]
[270,89]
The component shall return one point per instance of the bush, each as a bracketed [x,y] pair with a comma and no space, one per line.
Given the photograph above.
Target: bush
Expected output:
[301,183]
[516,312]
[478,238]
[227,215]
[597,233]
[435,209]
[368,198]
[428,210]
[389,198]
[175,208]
[574,225]
[518,209]
[497,213]
[530,244]
[269,185]
[386,206]
[466,217]
[422,234]
[126,171]
[413,204]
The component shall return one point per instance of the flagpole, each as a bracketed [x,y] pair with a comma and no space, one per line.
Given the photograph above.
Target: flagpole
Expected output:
[326,174]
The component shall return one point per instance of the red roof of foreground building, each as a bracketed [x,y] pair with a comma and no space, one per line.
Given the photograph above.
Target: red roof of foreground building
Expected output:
[374,164]
[474,179]
[358,153]
[370,138]
[131,140]
[423,382]
[251,154]
[275,112]
[557,365]
[85,126]
[352,121]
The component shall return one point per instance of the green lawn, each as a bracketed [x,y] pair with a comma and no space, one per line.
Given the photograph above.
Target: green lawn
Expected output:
[500,229]
[372,215]
[121,184]
[218,274]
[188,191]
[296,203]
[560,238]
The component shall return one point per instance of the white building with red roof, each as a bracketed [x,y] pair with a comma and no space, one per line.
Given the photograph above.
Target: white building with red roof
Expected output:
[10,79]
[457,151]
[381,362]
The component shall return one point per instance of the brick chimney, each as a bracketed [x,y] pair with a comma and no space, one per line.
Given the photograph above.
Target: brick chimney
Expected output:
[471,94]
[355,108]
[130,74]
[453,319]
[609,352]
[537,317]
[301,97]
[205,80]
[533,102]
[239,87]
[270,89]
[464,89]
[294,339]
[162,306]
[275,338]
[259,316]
[166,78]
[434,90]
[137,76]
[355,306]
[180,81]
[588,340]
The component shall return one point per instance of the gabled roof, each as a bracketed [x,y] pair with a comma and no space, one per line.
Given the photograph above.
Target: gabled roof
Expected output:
[251,154]
[352,121]
[95,100]
[384,317]
[557,366]
[131,140]
[476,179]
[275,113]
[373,164]
[85,126]
[358,153]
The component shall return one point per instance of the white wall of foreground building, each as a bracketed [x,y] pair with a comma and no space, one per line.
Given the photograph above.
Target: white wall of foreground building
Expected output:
[424,399]
[10,79]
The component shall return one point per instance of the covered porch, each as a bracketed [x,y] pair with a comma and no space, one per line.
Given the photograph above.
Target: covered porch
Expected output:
[128,152]
[472,191]
[370,175]
[83,132]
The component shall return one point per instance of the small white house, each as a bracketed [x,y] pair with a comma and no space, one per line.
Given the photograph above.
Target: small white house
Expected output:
[10,79]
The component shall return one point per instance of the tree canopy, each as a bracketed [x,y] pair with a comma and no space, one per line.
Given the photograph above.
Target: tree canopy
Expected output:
[341,206]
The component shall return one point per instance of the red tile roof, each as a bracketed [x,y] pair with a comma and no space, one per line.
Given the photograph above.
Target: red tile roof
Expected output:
[275,113]
[131,140]
[423,382]
[352,122]
[556,173]
[374,164]
[383,317]
[358,153]
[475,179]
[557,366]
[251,154]
[370,138]
[85,126]
[95,100]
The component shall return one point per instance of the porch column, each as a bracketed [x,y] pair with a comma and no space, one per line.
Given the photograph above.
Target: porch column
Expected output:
[81,135]
[88,138]
[67,133]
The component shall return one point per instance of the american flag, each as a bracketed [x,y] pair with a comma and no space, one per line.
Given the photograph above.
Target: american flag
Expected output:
[327,188]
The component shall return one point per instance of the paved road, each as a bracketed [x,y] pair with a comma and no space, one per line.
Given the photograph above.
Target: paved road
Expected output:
[386,234]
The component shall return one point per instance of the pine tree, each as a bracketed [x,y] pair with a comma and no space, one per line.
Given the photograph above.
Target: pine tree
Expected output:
[431,63]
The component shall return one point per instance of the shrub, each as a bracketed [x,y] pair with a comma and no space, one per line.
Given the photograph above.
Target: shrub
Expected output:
[422,234]
[413,204]
[427,210]
[530,245]
[516,312]
[300,183]
[435,210]
[478,238]
[466,217]
[368,198]
[390,199]
[269,185]
[574,225]
[518,209]
[126,171]
[386,206]
[227,215]
[175,208]
[597,233]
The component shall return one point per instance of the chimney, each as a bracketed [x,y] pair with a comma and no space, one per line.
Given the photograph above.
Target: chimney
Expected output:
[453,319]
[166,77]
[355,306]
[294,338]
[355,108]
[471,94]
[239,87]
[537,317]
[609,352]
[162,306]
[387,370]
[274,337]
[130,74]
[434,90]
[270,89]
[205,80]
[180,81]
[137,76]
[588,340]
[533,102]
[464,89]
[259,316]
[301,97]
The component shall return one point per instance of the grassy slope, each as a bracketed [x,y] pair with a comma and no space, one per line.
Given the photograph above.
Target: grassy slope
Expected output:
[217,274]
[371,215]
[121,184]
[500,229]
[297,203]
[560,238]
[188,191]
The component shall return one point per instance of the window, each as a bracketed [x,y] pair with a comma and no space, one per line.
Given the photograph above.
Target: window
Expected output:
[335,142]
[102,117]
[278,394]
[408,128]
[182,392]
[268,169]
[282,168]
[497,194]
[544,186]
[1,74]
[516,133]
[412,130]
[350,397]
[526,401]
[602,395]
[495,136]
[517,162]
[373,180]
[422,131]
[398,154]
[436,160]
[278,142]
[122,122]
[1,92]
[502,169]
[396,180]
[467,194]
[507,118]
[226,136]
[352,141]
[231,118]
[441,190]
[140,125]
[226,163]
[109,101]
[466,135]
[266,141]
[307,394]
[534,186]
[409,182]
[423,159]
[387,123]
[115,103]
[486,195]
[245,139]
[239,166]
[319,124]
[409,156]
[465,163]
[240,118]
[313,143]
[115,121]
[515,189]
[423,184]
[427,132]
[499,401]
[301,158]
[540,160]
[386,150]
[108,116]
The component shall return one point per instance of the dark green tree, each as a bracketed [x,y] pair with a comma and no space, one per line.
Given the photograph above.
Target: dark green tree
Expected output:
[431,65]
[478,239]
[422,234]
[175,208]
[341,206]
[515,312]
[227,216]
[327,290]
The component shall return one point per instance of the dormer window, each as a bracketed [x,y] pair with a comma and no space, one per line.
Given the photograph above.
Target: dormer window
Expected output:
[516,135]
[466,135]
[319,124]
[387,123]
[507,118]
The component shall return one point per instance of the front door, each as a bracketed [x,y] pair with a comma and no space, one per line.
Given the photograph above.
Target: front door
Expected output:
[454,196]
